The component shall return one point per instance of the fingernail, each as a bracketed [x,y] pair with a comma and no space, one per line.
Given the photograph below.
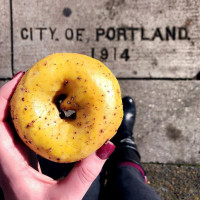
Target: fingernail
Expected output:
[18,73]
[105,151]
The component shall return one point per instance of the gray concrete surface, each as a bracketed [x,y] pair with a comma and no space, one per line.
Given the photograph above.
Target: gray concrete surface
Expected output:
[5,40]
[168,116]
[140,27]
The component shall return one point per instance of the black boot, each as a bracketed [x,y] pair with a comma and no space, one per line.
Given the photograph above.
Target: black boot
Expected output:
[126,149]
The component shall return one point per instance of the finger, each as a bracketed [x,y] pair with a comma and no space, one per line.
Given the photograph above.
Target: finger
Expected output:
[6,92]
[76,184]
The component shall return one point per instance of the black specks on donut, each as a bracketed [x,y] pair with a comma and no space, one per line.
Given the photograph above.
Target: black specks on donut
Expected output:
[22,98]
[84,115]
[25,108]
[79,124]
[73,138]
[29,125]
[88,131]
[45,118]
[75,132]
[114,114]
[50,149]
[45,63]
[72,98]
[69,102]
[101,131]
[58,159]
[24,137]
[79,78]
[87,122]
[90,126]
[104,117]
[66,82]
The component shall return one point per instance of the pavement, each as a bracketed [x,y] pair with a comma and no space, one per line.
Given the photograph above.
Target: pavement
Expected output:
[174,182]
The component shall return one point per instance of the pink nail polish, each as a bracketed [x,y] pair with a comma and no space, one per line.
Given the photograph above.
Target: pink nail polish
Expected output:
[105,151]
[17,74]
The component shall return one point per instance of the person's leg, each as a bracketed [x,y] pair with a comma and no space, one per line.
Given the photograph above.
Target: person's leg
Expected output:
[53,169]
[126,178]
[1,194]
[94,190]
[126,182]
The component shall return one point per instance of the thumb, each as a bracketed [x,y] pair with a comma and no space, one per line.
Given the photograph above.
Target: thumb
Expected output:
[76,184]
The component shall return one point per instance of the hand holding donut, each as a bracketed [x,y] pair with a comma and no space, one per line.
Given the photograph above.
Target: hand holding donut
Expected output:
[19,177]
[59,84]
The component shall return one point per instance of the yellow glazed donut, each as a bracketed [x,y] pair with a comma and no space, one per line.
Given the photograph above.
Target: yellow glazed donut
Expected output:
[67,106]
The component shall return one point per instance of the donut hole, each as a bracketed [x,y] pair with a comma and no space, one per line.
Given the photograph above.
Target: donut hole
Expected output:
[64,114]
[69,114]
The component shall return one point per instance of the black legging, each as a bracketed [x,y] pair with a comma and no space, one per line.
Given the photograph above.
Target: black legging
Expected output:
[124,183]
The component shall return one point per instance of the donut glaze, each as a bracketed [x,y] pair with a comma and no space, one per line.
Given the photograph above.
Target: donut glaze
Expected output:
[87,87]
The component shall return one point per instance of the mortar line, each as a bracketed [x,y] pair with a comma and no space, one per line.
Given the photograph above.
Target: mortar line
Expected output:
[11,38]
[5,79]
[156,78]
[173,164]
